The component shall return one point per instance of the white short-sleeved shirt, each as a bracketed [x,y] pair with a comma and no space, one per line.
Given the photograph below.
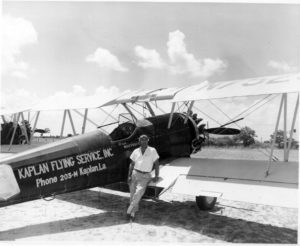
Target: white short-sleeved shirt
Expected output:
[144,162]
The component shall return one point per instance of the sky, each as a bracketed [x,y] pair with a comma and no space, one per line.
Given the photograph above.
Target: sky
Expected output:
[59,52]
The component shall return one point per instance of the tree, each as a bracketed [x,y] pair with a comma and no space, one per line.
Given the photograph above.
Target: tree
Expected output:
[247,135]
[280,139]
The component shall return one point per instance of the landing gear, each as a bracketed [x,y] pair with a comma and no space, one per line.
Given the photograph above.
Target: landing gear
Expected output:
[206,202]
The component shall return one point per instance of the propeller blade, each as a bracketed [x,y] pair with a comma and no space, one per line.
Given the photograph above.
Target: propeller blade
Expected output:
[223,131]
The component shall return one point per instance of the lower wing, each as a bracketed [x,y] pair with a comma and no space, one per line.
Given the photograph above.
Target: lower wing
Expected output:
[239,180]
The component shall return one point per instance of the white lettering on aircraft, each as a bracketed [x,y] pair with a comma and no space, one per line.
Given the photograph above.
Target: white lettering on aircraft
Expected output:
[94,156]
[42,182]
[64,164]
[25,172]
[92,169]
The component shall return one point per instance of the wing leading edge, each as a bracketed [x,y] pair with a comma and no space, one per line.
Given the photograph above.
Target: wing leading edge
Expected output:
[239,180]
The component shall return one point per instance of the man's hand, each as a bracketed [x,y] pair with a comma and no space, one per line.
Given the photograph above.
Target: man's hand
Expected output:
[155,179]
[129,179]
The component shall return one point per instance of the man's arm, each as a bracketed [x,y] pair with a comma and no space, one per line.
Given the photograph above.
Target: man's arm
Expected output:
[156,167]
[131,166]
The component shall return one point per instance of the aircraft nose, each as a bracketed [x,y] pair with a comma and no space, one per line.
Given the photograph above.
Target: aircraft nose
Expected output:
[8,183]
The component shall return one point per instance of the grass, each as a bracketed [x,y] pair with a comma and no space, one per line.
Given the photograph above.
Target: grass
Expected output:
[240,153]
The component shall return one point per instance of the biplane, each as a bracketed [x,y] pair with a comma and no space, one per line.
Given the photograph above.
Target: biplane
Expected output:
[100,158]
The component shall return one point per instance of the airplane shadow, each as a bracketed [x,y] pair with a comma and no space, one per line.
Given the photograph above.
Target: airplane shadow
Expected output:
[174,214]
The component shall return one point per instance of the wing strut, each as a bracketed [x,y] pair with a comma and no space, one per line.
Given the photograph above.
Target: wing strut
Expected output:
[71,121]
[16,120]
[63,123]
[171,115]
[84,120]
[292,127]
[275,134]
[3,118]
[150,109]
[283,104]
[35,123]
[189,111]
[284,127]
[24,130]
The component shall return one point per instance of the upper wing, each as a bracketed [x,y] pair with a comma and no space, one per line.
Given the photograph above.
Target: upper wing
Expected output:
[240,180]
[4,111]
[212,90]
[145,95]
[205,90]
[238,88]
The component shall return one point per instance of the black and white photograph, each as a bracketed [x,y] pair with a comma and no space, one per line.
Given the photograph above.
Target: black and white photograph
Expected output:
[155,122]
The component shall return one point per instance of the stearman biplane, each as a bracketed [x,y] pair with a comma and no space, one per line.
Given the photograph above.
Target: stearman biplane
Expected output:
[100,158]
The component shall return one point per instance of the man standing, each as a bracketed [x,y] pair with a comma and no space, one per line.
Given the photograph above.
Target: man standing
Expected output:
[142,161]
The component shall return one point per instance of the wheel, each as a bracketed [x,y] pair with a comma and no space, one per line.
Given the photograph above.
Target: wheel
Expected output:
[206,202]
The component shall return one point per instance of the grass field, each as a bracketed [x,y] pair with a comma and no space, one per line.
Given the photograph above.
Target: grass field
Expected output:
[245,153]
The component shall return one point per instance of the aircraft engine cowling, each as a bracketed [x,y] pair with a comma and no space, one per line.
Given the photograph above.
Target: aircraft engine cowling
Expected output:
[175,141]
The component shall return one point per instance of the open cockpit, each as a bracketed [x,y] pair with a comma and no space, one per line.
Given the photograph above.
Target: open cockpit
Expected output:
[122,131]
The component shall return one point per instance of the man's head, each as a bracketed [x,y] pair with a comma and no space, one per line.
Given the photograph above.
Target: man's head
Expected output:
[143,139]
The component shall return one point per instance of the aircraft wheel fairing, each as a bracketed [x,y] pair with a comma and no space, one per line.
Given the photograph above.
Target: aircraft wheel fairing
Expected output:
[206,202]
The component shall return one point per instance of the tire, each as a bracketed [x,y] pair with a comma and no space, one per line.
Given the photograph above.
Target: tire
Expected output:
[206,202]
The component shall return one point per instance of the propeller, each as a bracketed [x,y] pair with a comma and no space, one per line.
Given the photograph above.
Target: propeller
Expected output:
[222,131]
[204,132]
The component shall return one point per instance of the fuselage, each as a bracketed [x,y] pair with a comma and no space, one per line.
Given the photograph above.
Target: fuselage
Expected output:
[95,158]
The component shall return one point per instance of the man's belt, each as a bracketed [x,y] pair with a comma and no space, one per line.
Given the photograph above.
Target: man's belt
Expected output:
[141,171]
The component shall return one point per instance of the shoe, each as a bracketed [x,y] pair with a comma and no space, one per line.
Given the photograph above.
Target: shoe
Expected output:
[128,216]
[131,218]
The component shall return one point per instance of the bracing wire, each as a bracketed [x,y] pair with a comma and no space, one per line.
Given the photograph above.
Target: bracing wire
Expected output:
[207,115]
[161,110]
[179,107]
[244,111]
[143,107]
[30,120]
[261,105]
[183,104]
[223,112]
[109,114]
[136,110]
[274,158]
[268,152]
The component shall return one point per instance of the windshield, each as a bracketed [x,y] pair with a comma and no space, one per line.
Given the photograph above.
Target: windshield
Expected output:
[123,131]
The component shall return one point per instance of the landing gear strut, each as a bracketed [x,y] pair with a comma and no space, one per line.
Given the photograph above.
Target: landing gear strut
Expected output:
[206,202]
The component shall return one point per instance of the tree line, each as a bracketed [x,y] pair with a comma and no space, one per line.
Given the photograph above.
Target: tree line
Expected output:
[247,139]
